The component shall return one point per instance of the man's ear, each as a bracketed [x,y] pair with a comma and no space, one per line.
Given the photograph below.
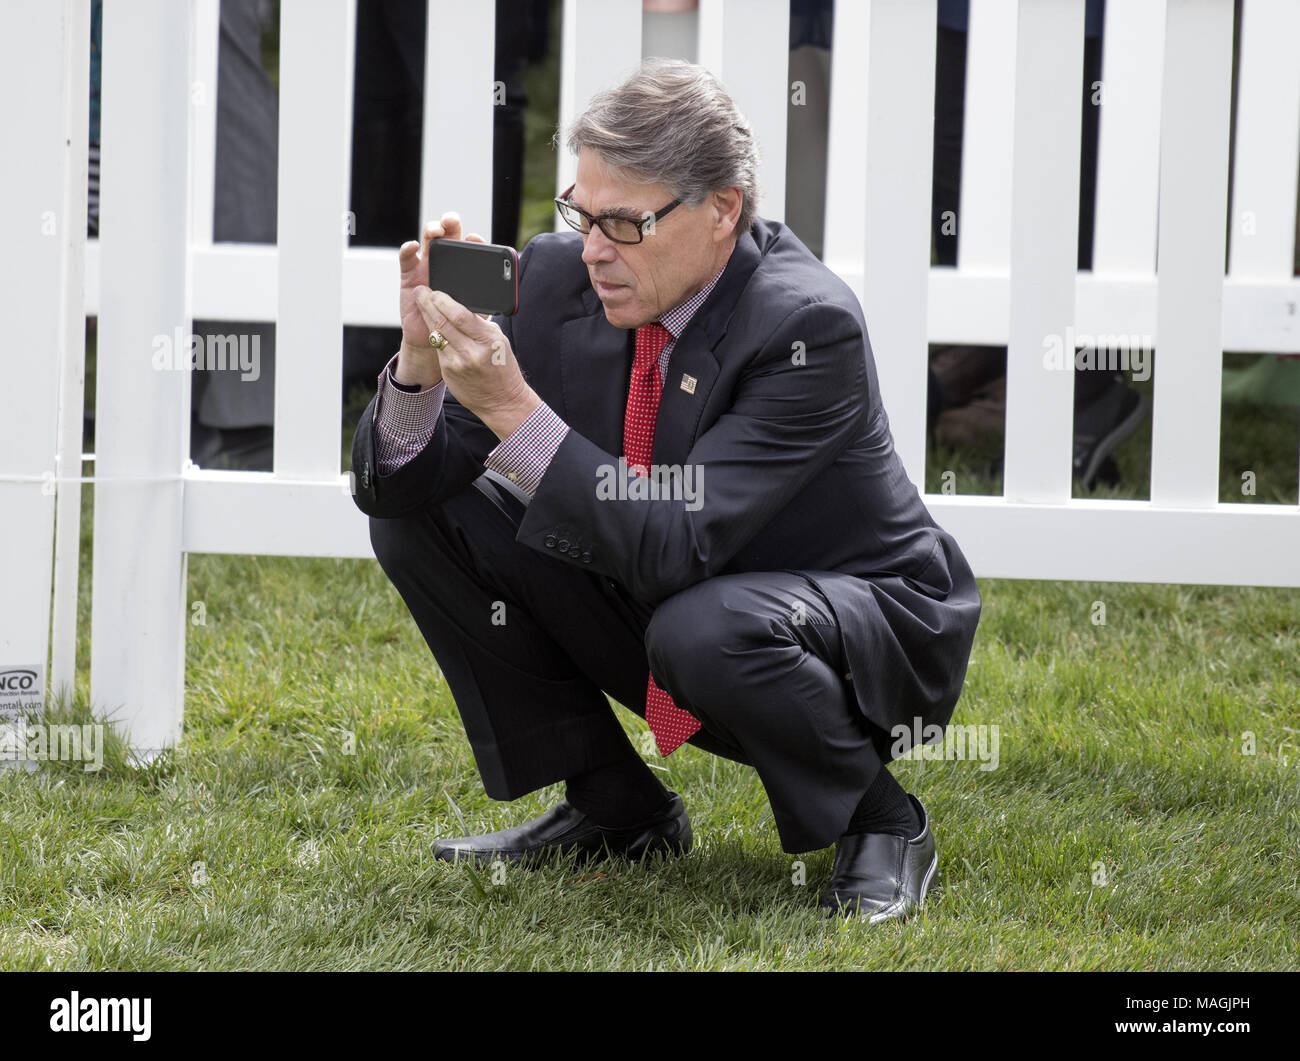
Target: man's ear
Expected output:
[727,204]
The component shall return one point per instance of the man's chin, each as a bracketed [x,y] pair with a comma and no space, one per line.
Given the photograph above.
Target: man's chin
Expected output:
[620,317]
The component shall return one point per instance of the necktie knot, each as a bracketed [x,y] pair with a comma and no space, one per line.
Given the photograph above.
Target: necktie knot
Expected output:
[650,342]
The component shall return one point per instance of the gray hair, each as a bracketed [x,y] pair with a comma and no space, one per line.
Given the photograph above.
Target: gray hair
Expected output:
[673,122]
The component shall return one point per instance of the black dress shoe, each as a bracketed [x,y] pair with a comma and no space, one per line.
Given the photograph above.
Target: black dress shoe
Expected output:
[564,829]
[1102,425]
[882,877]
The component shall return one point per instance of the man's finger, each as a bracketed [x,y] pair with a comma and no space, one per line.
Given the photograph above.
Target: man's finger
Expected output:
[464,324]
[432,230]
[451,225]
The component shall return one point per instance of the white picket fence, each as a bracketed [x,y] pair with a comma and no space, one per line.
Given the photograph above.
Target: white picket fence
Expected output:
[1162,188]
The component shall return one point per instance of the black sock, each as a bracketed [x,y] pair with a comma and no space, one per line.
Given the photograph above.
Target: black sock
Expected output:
[620,794]
[885,808]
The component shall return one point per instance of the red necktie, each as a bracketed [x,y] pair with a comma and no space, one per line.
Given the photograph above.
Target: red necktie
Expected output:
[668,722]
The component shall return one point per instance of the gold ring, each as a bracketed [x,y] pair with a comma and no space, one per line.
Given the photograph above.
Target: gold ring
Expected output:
[437,340]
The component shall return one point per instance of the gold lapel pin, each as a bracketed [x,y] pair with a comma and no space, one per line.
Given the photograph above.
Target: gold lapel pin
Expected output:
[688,383]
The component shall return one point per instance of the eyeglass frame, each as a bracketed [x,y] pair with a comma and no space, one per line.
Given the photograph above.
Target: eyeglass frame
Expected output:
[592,219]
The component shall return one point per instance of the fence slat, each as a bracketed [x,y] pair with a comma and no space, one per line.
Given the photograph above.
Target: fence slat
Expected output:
[1242,544]
[846,148]
[251,512]
[674,33]
[459,95]
[316,48]
[984,217]
[746,45]
[137,662]
[1128,141]
[896,238]
[600,46]
[37,44]
[1262,244]
[205,47]
[1044,250]
[1193,200]
[1125,541]
[72,350]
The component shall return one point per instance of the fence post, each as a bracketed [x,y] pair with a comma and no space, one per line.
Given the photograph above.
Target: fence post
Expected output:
[984,213]
[600,45]
[896,238]
[1128,147]
[460,101]
[316,48]
[72,352]
[1044,250]
[137,666]
[746,46]
[1190,257]
[1267,144]
[39,43]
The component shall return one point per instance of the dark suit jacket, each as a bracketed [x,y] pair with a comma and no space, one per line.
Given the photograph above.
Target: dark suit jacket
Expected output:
[799,467]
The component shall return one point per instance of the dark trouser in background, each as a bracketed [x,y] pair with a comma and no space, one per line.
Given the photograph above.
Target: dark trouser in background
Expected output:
[530,645]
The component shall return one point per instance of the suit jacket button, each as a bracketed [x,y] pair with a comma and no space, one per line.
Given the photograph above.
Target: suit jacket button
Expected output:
[586,558]
[550,541]
[564,545]
[576,551]
[848,676]
[365,476]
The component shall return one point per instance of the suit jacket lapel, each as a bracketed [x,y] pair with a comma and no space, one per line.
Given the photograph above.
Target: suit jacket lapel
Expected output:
[696,355]
[596,364]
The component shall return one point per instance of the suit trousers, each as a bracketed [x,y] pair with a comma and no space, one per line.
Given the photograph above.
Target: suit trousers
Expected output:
[530,645]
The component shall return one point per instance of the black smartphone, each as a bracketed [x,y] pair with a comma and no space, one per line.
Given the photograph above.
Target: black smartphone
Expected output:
[483,277]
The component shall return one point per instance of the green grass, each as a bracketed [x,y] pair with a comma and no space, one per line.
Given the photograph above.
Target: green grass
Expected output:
[323,755]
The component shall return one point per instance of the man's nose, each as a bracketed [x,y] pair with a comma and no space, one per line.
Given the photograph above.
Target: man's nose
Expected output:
[597,247]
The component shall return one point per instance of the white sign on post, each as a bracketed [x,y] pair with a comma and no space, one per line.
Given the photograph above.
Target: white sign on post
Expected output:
[22,701]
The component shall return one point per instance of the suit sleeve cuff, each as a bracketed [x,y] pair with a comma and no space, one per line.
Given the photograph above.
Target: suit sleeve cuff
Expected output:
[524,455]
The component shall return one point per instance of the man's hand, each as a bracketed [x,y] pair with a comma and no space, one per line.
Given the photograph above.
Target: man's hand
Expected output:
[417,361]
[478,363]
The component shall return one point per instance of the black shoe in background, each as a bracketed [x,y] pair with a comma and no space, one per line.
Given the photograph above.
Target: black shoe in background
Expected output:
[231,449]
[1101,426]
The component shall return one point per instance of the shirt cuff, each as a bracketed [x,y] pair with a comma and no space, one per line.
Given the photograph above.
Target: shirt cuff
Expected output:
[404,419]
[524,455]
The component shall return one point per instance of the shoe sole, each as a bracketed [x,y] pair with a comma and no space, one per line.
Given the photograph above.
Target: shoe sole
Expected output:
[581,855]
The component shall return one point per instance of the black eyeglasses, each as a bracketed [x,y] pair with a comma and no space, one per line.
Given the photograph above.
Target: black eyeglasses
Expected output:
[618,229]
